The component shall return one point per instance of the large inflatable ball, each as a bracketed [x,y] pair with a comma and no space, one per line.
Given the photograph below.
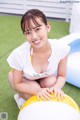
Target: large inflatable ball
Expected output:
[33,109]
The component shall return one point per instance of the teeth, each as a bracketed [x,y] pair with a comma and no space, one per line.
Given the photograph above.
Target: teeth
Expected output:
[36,41]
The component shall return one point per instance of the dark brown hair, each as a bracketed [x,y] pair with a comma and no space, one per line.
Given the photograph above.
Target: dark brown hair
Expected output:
[32,15]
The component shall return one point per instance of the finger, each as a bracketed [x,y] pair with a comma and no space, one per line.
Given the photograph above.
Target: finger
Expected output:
[43,97]
[55,94]
[59,95]
[38,97]
[49,90]
[49,95]
[46,96]
[62,95]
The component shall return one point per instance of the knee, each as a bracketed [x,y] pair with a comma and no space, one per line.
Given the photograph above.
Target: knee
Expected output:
[48,82]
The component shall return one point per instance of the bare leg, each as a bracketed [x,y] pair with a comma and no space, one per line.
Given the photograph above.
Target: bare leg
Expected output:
[44,82]
[47,82]
[29,82]
[21,97]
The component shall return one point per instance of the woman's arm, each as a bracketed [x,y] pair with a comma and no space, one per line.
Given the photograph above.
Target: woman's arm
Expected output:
[61,78]
[61,74]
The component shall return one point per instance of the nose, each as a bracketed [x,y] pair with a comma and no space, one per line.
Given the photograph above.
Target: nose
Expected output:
[34,35]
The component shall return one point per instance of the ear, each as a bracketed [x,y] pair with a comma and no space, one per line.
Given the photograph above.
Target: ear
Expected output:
[48,26]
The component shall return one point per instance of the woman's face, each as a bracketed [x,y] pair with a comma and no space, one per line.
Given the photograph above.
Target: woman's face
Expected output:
[37,36]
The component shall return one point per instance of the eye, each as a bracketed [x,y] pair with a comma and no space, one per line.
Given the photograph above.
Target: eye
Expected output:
[37,29]
[27,32]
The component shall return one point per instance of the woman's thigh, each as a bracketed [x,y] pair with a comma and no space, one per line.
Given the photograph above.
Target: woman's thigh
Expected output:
[26,81]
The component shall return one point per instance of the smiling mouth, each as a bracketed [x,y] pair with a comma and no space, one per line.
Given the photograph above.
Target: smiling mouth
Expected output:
[36,42]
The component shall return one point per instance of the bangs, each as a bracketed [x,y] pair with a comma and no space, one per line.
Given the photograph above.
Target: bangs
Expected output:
[28,23]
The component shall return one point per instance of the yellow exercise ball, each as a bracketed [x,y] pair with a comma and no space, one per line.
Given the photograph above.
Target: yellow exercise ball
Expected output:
[33,109]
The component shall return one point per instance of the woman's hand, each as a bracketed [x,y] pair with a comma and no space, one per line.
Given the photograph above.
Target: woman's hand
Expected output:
[44,94]
[57,93]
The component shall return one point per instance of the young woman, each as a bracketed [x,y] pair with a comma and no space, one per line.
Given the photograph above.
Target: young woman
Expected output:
[39,64]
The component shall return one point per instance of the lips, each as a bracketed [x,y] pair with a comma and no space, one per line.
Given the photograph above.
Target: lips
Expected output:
[36,42]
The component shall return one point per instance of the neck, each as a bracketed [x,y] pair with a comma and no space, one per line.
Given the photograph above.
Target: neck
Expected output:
[44,49]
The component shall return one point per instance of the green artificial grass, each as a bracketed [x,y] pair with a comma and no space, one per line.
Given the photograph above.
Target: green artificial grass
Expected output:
[11,36]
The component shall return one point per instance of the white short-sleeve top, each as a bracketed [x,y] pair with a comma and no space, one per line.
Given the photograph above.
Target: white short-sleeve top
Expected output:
[19,59]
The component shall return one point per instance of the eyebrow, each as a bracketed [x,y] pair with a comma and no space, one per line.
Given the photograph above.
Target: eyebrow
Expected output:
[33,28]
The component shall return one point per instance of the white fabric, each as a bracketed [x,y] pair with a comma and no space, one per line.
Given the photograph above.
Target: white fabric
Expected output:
[19,100]
[20,59]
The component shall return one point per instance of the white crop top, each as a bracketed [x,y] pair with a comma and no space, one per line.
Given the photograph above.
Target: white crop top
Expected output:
[19,59]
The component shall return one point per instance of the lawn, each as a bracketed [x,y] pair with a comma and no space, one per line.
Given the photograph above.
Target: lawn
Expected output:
[11,36]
